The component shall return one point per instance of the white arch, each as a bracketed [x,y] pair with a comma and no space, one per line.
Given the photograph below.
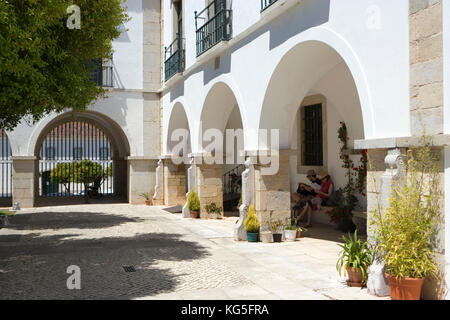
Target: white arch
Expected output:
[329,38]
[174,111]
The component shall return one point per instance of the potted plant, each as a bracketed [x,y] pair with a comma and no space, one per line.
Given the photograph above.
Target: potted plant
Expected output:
[298,234]
[290,231]
[148,200]
[194,204]
[275,228]
[214,211]
[252,225]
[354,259]
[4,214]
[404,231]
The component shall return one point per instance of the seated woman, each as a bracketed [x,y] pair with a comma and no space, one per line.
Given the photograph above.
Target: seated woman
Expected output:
[325,191]
[305,192]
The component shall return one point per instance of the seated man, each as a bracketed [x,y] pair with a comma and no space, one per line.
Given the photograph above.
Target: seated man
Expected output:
[306,192]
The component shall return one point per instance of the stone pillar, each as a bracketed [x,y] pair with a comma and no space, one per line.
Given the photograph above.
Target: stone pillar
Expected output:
[24,181]
[158,196]
[273,192]
[248,193]
[192,185]
[210,186]
[426,75]
[142,178]
[174,183]
[447,221]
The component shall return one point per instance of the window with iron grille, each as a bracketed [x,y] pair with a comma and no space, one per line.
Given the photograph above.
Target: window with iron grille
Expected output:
[312,135]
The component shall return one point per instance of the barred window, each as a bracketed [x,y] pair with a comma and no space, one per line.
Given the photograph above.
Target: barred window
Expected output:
[312,135]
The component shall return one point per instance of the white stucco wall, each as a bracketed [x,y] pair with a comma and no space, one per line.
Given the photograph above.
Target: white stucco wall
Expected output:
[376,53]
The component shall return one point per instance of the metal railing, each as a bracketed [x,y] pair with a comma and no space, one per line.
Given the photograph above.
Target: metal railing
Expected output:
[217,28]
[102,74]
[266,3]
[174,58]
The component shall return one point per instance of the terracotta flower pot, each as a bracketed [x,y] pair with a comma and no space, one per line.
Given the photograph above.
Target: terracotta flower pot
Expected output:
[405,288]
[148,202]
[355,277]
[194,214]
[299,234]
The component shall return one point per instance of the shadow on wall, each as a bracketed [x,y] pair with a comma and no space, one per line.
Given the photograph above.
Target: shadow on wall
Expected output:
[101,262]
[306,15]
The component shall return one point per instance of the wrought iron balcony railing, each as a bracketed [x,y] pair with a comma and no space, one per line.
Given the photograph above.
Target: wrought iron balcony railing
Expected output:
[217,28]
[102,74]
[266,3]
[174,58]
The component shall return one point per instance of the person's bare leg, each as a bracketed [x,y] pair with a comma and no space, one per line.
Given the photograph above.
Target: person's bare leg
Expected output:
[296,197]
[309,215]
[303,213]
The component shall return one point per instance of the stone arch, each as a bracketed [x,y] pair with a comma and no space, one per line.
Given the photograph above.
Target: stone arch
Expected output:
[116,143]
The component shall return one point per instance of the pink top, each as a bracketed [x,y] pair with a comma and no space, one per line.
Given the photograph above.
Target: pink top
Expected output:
[325,187]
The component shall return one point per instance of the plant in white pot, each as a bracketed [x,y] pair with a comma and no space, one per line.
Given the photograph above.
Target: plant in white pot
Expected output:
[404,231]
[290,231]
[214,211]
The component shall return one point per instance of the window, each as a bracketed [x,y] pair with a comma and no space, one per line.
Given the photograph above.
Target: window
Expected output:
[312,141]
[312,135]
[77,153]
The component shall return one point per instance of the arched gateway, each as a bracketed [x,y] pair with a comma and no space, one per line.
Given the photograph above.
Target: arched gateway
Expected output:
[79,150]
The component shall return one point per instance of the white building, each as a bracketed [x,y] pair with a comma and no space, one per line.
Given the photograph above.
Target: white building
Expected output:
[379,66]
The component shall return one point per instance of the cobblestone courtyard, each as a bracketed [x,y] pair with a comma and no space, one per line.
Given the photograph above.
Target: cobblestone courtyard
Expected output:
[174,258]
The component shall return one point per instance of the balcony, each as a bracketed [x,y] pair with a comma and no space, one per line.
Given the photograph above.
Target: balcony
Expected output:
[266,4]
[217,28]
[102,74]
[174,58]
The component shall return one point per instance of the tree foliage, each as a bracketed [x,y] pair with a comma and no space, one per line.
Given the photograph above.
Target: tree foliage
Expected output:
[44,65]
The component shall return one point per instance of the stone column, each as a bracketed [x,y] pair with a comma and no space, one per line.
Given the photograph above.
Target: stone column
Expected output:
[210,186]
[192,185]
[174,183]
[248,194]
[158,196]
[426,75]
[141,178]
[273,191]
[24,182]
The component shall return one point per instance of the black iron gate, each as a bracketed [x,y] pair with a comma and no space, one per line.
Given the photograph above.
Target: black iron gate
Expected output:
[5,166]
[75,155]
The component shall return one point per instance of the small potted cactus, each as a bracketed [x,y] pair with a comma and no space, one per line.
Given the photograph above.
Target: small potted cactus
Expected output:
[148,200]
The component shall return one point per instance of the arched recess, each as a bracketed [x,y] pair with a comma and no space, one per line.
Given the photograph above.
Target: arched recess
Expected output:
[5,170]
[222,133]
[220,107]
[76,136]
[313,74]
[178,138]
[298,71]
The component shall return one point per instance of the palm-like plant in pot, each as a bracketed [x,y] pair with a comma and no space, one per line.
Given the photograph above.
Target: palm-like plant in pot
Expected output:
[194,204]
[405,231]
[252,225]
[355,259]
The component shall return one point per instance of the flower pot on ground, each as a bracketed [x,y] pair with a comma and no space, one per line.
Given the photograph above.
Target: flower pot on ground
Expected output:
[405,288]
[194,204]
[266,237]
[276,227]
[148,200]
[214,212]
[405,230]
[251,225]
[354,259]
[290,231]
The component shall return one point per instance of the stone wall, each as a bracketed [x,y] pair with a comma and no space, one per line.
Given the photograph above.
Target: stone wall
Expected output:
[24,181]
[209,186]
[426,59]
[273,193]
[142,179]
[174,183]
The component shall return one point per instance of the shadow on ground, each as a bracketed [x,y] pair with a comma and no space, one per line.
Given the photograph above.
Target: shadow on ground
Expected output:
[36,266]
[67,220]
